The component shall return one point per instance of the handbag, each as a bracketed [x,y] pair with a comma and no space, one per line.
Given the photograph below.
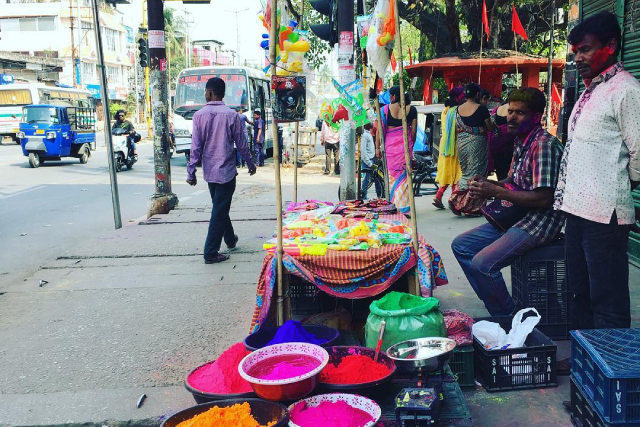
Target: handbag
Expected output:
[503,214]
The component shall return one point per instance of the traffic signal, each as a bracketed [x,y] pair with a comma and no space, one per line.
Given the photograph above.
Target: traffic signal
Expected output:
[143,52]
[327,32]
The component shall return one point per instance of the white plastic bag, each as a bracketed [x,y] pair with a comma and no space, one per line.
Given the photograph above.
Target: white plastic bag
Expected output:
[492,336]
[379,56]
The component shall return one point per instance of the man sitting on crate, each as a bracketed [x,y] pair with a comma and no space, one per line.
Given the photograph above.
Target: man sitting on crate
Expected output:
[522,217]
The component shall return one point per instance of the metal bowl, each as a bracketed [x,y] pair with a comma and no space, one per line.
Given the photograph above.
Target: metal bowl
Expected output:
[428,354]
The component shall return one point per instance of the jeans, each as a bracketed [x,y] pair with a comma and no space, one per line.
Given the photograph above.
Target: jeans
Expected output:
[598,268]
[366,179]
[220,223]
[259,154]
[328,150]
[482,252]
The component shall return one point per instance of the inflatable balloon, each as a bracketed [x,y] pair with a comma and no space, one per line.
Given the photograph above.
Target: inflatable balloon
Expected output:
[299,46]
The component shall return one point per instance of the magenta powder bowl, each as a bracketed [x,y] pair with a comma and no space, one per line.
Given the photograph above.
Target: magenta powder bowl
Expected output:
[266,369]
[359,402]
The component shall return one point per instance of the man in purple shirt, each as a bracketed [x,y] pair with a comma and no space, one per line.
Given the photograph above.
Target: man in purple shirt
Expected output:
[215,129]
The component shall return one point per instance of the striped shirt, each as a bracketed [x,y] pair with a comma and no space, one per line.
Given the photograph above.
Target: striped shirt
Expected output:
[536,164]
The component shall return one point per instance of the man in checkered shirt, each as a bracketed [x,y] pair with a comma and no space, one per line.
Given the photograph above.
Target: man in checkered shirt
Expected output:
[485,250]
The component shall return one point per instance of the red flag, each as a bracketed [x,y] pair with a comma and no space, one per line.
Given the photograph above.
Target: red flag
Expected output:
[393,62]
[516,25]
[485,19]
[555,95]
[410,58]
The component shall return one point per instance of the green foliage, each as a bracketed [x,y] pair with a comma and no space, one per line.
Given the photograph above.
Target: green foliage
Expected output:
[175,30]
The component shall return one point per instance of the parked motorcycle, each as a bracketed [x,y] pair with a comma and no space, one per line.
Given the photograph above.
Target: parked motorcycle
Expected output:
[122,149]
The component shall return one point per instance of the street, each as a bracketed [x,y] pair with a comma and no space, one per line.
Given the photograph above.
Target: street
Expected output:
[47,211]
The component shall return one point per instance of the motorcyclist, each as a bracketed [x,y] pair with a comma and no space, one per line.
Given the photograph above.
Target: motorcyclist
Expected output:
[122,123]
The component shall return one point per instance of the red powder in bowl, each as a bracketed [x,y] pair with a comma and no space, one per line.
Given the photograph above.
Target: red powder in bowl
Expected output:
[222,376]
[355,369]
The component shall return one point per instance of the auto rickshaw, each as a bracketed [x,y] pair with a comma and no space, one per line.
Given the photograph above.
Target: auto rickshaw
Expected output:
[51,132]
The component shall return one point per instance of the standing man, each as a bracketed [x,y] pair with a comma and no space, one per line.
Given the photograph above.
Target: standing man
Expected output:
[600,167]
[216,128]
[258,136]
[368,158]
[244,120]
[485,250]
[331,142]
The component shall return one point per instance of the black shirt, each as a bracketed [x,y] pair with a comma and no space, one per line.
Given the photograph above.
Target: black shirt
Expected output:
[500,120]
[393,122]
[126,125]
[477,119]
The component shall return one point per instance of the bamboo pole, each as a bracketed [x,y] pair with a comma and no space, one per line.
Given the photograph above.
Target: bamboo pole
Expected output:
[380,136]
[295,163]
[480,70]
[359,166]
[276,161]
[407,155]
[515,41]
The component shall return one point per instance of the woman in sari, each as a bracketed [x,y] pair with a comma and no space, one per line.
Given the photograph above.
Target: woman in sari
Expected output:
[394,147]
[448,164]
[473,121]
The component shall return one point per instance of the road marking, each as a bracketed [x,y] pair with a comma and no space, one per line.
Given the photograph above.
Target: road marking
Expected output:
[18,193]
[184,199]
[197,193]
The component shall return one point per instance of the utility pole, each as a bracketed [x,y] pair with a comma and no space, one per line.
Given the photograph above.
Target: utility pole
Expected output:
[73,46]
[236,12]
[147,97]
[550,70]
[346,69]
[80,77]
[115,197]
[163,200]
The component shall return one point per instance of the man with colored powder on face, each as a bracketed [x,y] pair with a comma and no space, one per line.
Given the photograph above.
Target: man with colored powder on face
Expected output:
[483,251]
[600,167]
[215,129]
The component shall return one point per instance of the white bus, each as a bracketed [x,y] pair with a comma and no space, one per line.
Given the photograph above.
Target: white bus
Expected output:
[246,89]
[15,96]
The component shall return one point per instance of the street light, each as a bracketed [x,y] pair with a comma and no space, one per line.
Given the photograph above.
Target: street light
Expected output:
[236,12]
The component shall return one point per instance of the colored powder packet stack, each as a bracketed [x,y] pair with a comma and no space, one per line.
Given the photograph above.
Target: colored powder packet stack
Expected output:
[329,414]
[222,376]
[354,369]
[238,415]
[293,331]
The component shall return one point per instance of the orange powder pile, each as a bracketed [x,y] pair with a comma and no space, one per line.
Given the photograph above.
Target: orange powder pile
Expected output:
[238,415]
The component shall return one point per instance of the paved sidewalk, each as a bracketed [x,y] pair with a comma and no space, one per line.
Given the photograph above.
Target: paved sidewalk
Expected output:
[132,311]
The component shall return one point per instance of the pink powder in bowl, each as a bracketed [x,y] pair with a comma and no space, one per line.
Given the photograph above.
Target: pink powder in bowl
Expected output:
[222,376]
[329,414]
[284,366]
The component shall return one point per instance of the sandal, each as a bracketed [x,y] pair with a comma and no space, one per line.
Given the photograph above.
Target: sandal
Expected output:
[437,203]
[454,210]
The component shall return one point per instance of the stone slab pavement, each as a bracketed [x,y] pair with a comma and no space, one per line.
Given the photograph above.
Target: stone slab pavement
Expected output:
[132,311]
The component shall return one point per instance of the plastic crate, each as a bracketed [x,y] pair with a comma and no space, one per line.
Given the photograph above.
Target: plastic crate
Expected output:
[539,280]
[532,366]
[606,365]
[461,365]
[583,413]
[305,297]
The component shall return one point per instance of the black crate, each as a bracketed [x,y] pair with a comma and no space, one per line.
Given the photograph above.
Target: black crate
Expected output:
[531,366]
[306,298]
[539,280]
[461,364]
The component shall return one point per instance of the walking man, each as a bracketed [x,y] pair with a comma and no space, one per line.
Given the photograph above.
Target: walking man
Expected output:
[258,136]
[485,250]
[331,142]
[216,128]
[600,167]
[368,158]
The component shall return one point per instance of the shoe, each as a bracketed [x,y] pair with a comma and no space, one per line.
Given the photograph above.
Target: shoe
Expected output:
[563,367]
[234,246]
[473,215]
[326,172]
[567,405]
[218,258]
[438,203]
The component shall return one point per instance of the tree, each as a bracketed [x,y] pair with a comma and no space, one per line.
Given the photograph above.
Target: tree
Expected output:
[175,30]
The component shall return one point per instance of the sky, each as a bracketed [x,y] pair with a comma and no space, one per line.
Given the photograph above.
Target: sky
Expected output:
[216,21]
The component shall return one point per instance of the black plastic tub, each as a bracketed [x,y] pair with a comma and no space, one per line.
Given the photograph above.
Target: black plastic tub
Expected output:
[262,410]
[337,353]
[259,339]
[204,397]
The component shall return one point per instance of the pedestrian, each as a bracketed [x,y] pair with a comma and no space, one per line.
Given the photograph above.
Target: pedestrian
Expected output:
[394,146]
[216,128]
[473,121]
[330,139]
[368,159]
[531,221]
[258,136]
[244,120]
[500,143]
[449,171]
[600,167]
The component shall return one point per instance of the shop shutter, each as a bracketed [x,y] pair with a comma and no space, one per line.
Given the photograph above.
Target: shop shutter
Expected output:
[631,59]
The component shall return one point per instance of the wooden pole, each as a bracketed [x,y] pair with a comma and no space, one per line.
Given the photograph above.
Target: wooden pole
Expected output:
[413,284]
[359,165]
[295,163]
[550,68]
[515,42]
[380,136]
[276,161]
[480,70]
